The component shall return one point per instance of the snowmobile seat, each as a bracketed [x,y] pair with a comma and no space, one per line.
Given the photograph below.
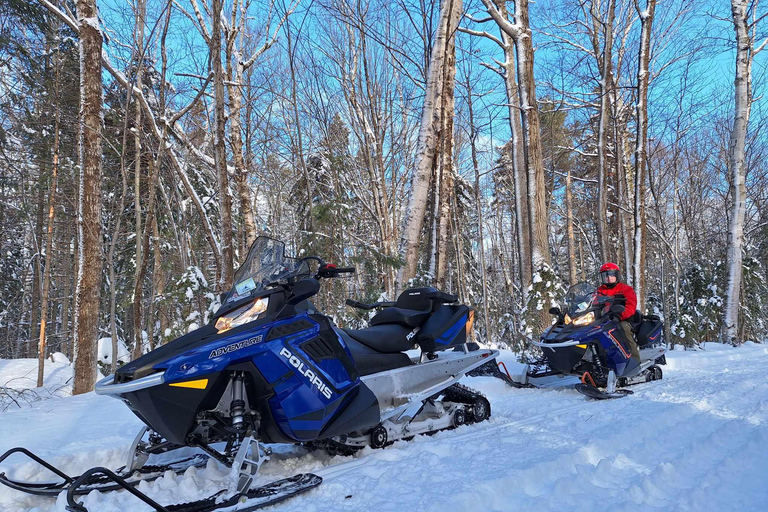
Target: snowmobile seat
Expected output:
[369,361]
[411,309]
[385,338]
[402,316]
[649,331]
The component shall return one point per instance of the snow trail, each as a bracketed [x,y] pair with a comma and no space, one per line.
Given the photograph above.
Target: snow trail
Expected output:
[696,440]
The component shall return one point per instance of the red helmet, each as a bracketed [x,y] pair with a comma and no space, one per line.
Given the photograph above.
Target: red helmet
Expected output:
[608,270]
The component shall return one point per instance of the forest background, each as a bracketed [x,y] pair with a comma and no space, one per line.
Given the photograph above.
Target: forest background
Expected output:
[496,150]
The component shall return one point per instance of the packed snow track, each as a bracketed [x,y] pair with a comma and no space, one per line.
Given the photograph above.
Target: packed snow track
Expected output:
[697,440]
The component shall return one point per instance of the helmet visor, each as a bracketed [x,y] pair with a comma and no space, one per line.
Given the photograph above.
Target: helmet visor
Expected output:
[610,276]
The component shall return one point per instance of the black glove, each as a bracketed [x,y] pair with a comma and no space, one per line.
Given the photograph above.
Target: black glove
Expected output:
[614,316]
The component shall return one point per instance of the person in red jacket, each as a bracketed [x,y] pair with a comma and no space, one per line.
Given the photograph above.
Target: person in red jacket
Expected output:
[611,285]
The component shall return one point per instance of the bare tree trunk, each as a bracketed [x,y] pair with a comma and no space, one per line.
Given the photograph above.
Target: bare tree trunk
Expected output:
[537,205]
[220,151]
[447,106]
[519,181]
[569,229]
[235,77]
[154,168]
[49,240]
[520,33]
[428,142]
[157,284]
[743,93]
[641,150]
[619,126]
[479,207]
[606,84]
[113,244]
[141,14]
[89,205]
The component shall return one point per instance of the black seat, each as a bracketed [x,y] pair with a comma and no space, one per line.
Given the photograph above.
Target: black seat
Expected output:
[387,338]
[369,361]
[395,315]
[649,331]
[411,309]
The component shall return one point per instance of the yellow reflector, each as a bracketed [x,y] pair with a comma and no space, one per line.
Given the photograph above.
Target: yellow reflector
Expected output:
[192,384]
[582,346]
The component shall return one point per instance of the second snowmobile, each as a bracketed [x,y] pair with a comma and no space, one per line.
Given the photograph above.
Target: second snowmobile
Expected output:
[583,343]
[270,368]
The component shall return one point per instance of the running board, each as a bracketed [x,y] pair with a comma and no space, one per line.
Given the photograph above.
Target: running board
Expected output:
[396,389]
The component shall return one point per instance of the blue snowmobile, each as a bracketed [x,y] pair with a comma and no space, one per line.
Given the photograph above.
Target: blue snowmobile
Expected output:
[270,368]
[583,342]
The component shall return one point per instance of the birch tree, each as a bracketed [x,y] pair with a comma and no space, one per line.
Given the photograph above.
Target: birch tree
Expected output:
[520,32]
[507,70]
[606,83]
[745,54]
[641,148]
[445,162]
[428,139]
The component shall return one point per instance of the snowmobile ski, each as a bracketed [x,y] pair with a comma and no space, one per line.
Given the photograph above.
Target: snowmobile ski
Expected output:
[253,499]
[146,473]
[591,391]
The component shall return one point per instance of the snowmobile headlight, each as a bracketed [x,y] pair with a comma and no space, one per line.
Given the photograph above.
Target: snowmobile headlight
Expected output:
[585,319]
[567,319]
[242,315]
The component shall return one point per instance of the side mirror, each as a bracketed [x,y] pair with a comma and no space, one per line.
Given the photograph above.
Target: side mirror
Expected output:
[554,311]
[222,296]
[303,290]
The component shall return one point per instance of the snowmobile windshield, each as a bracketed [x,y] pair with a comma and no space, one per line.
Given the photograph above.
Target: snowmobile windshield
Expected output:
[266,263]
[579,298]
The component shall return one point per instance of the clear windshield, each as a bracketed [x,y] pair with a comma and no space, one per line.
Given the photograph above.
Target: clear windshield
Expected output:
[579,298]
[266,263]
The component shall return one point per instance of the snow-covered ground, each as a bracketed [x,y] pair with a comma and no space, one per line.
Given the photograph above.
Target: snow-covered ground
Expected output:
[697,440]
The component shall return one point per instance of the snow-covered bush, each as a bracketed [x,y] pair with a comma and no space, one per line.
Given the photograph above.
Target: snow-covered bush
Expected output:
[189,301]
[544,292]
[104,354]
[701,304]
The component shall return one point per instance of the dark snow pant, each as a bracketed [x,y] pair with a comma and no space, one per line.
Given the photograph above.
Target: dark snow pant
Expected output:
[627,339]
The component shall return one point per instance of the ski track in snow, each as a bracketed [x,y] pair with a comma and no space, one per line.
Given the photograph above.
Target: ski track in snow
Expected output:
[695,441]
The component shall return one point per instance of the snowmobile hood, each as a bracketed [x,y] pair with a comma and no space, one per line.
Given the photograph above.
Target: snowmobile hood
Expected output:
[559,333]
[156,360]
[146,364]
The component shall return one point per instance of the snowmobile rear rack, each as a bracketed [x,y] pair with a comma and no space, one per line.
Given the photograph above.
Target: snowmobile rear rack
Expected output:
[362,305]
